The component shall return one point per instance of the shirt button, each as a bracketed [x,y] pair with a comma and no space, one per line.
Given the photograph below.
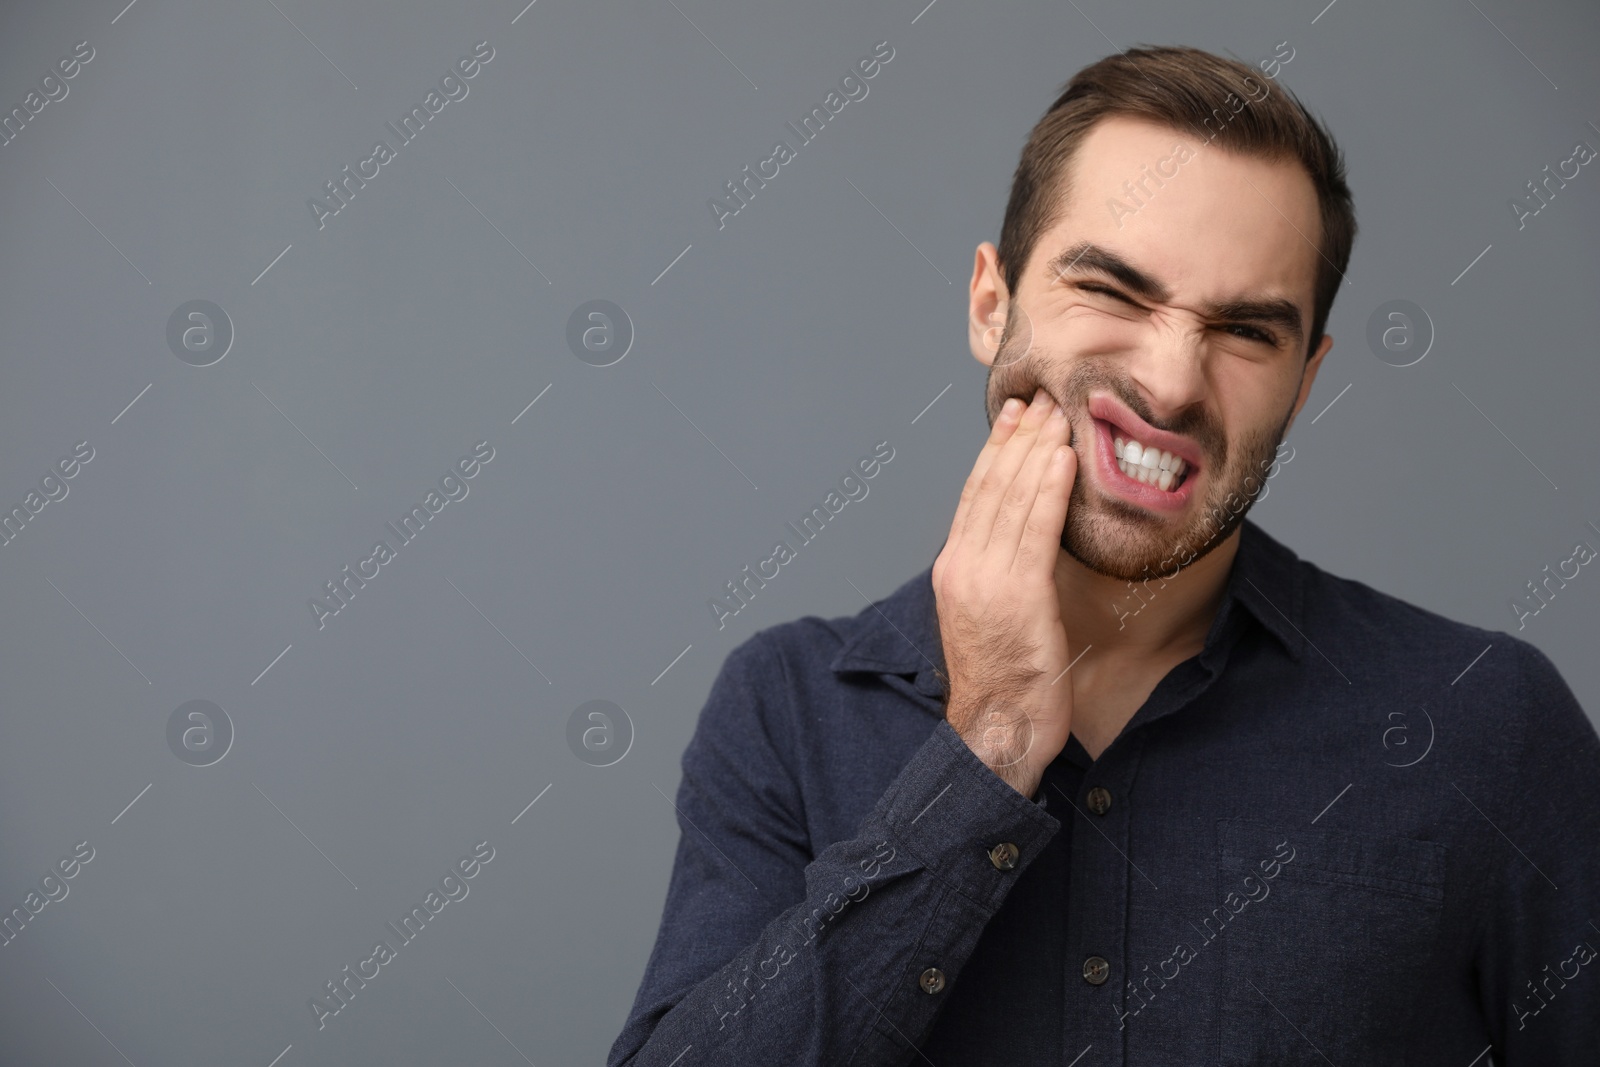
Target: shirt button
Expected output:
[1004,856]
[1096,970]
[932,980]
[1099,800]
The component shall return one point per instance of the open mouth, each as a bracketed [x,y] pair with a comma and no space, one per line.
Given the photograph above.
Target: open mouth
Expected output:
[1150,468]
[1149,464]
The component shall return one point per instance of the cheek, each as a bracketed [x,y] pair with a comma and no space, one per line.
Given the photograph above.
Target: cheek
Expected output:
[1082,327]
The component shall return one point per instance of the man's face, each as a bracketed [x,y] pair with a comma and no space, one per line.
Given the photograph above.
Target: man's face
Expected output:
[1207,365]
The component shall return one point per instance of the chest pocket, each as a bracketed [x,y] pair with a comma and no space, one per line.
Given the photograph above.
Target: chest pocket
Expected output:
[1328,940]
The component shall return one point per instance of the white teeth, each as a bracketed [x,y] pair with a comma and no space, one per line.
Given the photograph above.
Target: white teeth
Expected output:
[1151,466]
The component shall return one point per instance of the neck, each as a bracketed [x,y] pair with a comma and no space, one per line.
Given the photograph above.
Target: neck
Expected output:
[1153,619]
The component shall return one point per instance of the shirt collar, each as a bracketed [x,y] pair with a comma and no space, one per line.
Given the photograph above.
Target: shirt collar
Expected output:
[900,633]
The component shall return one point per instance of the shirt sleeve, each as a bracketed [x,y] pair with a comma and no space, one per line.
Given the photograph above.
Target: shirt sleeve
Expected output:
[1540,970]
[769,954]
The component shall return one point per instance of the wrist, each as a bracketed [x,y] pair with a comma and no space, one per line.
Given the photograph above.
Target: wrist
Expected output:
[1002,738]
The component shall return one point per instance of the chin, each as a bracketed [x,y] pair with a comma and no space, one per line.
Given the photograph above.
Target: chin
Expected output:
[1124,542]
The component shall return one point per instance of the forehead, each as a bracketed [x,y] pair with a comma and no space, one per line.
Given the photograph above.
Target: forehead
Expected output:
[1210,224]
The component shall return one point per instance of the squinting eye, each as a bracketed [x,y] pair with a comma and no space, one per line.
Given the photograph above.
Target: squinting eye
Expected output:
[1091,287]
[1253,334]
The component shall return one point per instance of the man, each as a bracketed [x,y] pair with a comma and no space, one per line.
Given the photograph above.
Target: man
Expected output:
[1120,779]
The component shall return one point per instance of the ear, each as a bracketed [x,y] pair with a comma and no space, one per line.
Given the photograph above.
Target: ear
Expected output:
[1308,376]
[987,305]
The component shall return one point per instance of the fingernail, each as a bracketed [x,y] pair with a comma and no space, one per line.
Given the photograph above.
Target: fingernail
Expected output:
[1010,406]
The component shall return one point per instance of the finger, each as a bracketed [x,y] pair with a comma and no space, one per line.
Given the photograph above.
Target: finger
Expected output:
[1041,537]
[1005,424]
[1002,472]
[1011,520]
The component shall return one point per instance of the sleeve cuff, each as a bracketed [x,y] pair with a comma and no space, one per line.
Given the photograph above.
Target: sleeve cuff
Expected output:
[950,810]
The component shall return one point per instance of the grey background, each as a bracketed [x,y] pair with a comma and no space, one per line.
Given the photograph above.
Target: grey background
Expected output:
[823,318]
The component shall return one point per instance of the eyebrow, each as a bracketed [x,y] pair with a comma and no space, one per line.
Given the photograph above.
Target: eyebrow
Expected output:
[1086,256]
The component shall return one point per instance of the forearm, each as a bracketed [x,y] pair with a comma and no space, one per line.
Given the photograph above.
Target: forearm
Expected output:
[839,974]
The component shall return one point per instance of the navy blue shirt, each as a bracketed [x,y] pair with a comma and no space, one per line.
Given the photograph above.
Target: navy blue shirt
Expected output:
[1349,831]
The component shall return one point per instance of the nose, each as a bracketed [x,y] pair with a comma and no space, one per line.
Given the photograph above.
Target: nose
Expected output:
[1169,364]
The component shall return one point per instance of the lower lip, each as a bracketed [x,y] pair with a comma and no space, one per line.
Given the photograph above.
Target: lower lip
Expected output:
[1132,489]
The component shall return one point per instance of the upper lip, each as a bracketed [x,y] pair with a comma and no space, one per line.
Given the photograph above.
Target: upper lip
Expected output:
[1111,410]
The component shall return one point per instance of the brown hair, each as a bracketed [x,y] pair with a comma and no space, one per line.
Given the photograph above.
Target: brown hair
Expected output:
[1188,89]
